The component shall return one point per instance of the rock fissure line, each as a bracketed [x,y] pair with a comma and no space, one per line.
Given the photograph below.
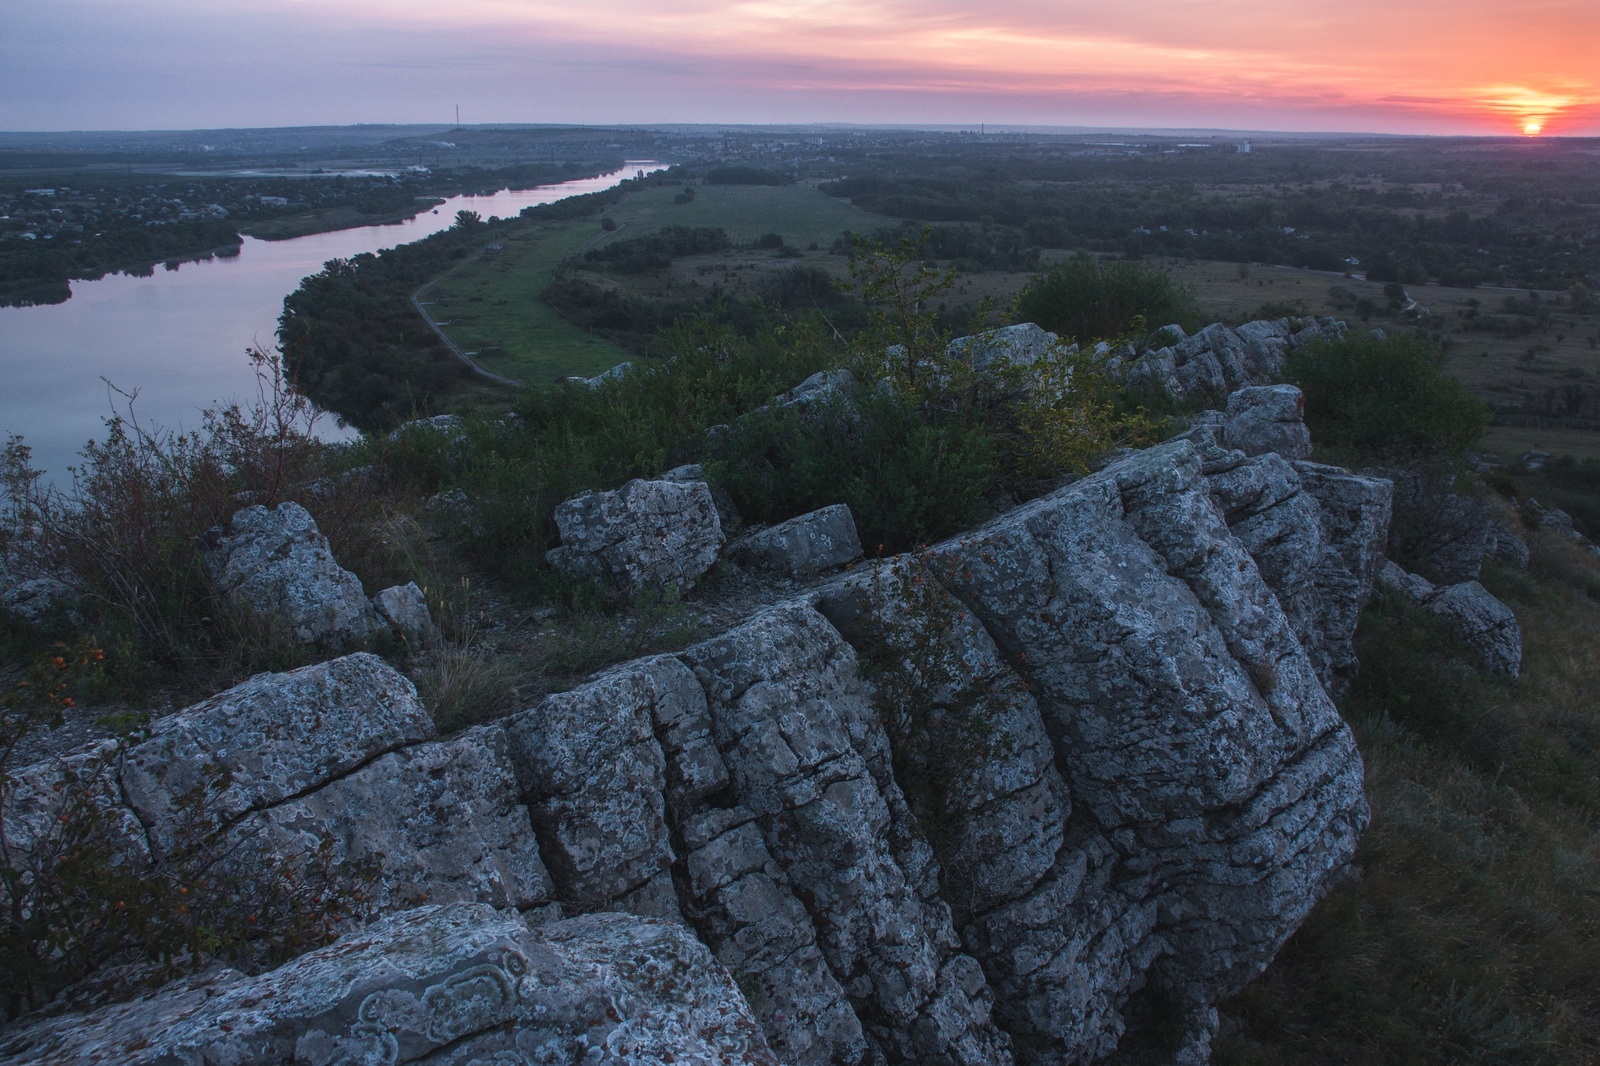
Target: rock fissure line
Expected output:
[1159,791]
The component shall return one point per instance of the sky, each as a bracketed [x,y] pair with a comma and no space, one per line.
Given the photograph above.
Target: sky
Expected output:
[1386,66]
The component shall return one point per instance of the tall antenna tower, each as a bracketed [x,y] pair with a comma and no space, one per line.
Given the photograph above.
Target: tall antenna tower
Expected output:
[458,116]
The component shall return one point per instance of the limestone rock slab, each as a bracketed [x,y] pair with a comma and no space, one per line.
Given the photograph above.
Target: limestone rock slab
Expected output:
[271,738]
[276,565]
[454,985]
[804,546]
[645,535]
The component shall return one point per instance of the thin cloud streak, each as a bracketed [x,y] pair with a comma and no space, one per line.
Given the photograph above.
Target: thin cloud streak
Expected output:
[1382,65]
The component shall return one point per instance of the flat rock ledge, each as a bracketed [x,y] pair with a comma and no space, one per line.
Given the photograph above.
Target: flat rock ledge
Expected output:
[461,984]
[954,807]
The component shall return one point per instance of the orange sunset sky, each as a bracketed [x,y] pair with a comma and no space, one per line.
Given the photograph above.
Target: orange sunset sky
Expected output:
[1396,66]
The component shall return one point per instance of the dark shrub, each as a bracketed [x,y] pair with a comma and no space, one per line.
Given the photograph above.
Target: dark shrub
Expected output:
[1385,401]
[1088,299]
[907,479]
[745,176]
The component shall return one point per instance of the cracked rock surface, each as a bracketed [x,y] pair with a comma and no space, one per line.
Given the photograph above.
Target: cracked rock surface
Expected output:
[277,565]
[954,807]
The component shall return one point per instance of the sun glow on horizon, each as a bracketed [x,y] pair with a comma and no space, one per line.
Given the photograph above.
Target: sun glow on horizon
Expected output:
[1532,129]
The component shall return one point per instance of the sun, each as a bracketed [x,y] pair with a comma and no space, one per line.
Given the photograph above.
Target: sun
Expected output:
[1532,129]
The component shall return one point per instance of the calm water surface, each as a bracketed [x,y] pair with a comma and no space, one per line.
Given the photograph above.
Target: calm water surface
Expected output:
[179,338]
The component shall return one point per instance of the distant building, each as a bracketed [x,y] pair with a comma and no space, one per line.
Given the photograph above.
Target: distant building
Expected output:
[1244,148]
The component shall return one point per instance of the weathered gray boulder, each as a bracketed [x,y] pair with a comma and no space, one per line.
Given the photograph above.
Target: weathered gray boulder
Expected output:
[1467,610]
[1413,588]
[405,608]
[825,386]
[804,546]
[686,472]
[276,565]
[1018,345]
[328,764]
[645,535]
[271,738]
[439,822]
[820,856]
[448,985]
[1216,360]
[1551,520]
[36,599]
[451,427]
[1486,625]
[1502,544]
[1177,696]
[1268,418]
[615,373]
[595,775]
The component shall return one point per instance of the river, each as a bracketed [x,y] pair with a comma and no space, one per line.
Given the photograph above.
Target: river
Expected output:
[178,338]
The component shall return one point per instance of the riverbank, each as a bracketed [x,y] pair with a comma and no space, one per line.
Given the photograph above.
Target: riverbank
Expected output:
[286,229]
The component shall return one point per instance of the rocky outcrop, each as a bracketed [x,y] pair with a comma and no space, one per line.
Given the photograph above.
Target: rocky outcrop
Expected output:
[823,387]
[1316,532]
[335,761]
[805,546]
[447,985]
[1267,418]
[1218,360]
[646,535]
[953,808]
[1467,611]
[276,566]
[1020,345]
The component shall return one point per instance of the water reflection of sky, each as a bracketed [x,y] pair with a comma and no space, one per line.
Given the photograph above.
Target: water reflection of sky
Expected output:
[178,338]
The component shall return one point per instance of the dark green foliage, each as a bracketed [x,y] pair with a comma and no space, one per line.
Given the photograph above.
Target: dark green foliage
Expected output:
[746,176]
[37,272]
[1385,401]
[1087,299]
[907,479]
[800,287]
[969,249]
[572,437]
[1151,201]
[355,343]
[639,255]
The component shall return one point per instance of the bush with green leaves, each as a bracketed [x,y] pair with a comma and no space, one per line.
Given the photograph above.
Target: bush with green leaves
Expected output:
[906,478]
[1086,299]
[1385,400]
[571,437]
[125,532]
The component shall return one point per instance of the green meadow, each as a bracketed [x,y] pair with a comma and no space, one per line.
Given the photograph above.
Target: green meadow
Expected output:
[490,305]
[801,214]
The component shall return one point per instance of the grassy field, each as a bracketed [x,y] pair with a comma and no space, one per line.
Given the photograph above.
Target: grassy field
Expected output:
[800,213]
[491,305]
